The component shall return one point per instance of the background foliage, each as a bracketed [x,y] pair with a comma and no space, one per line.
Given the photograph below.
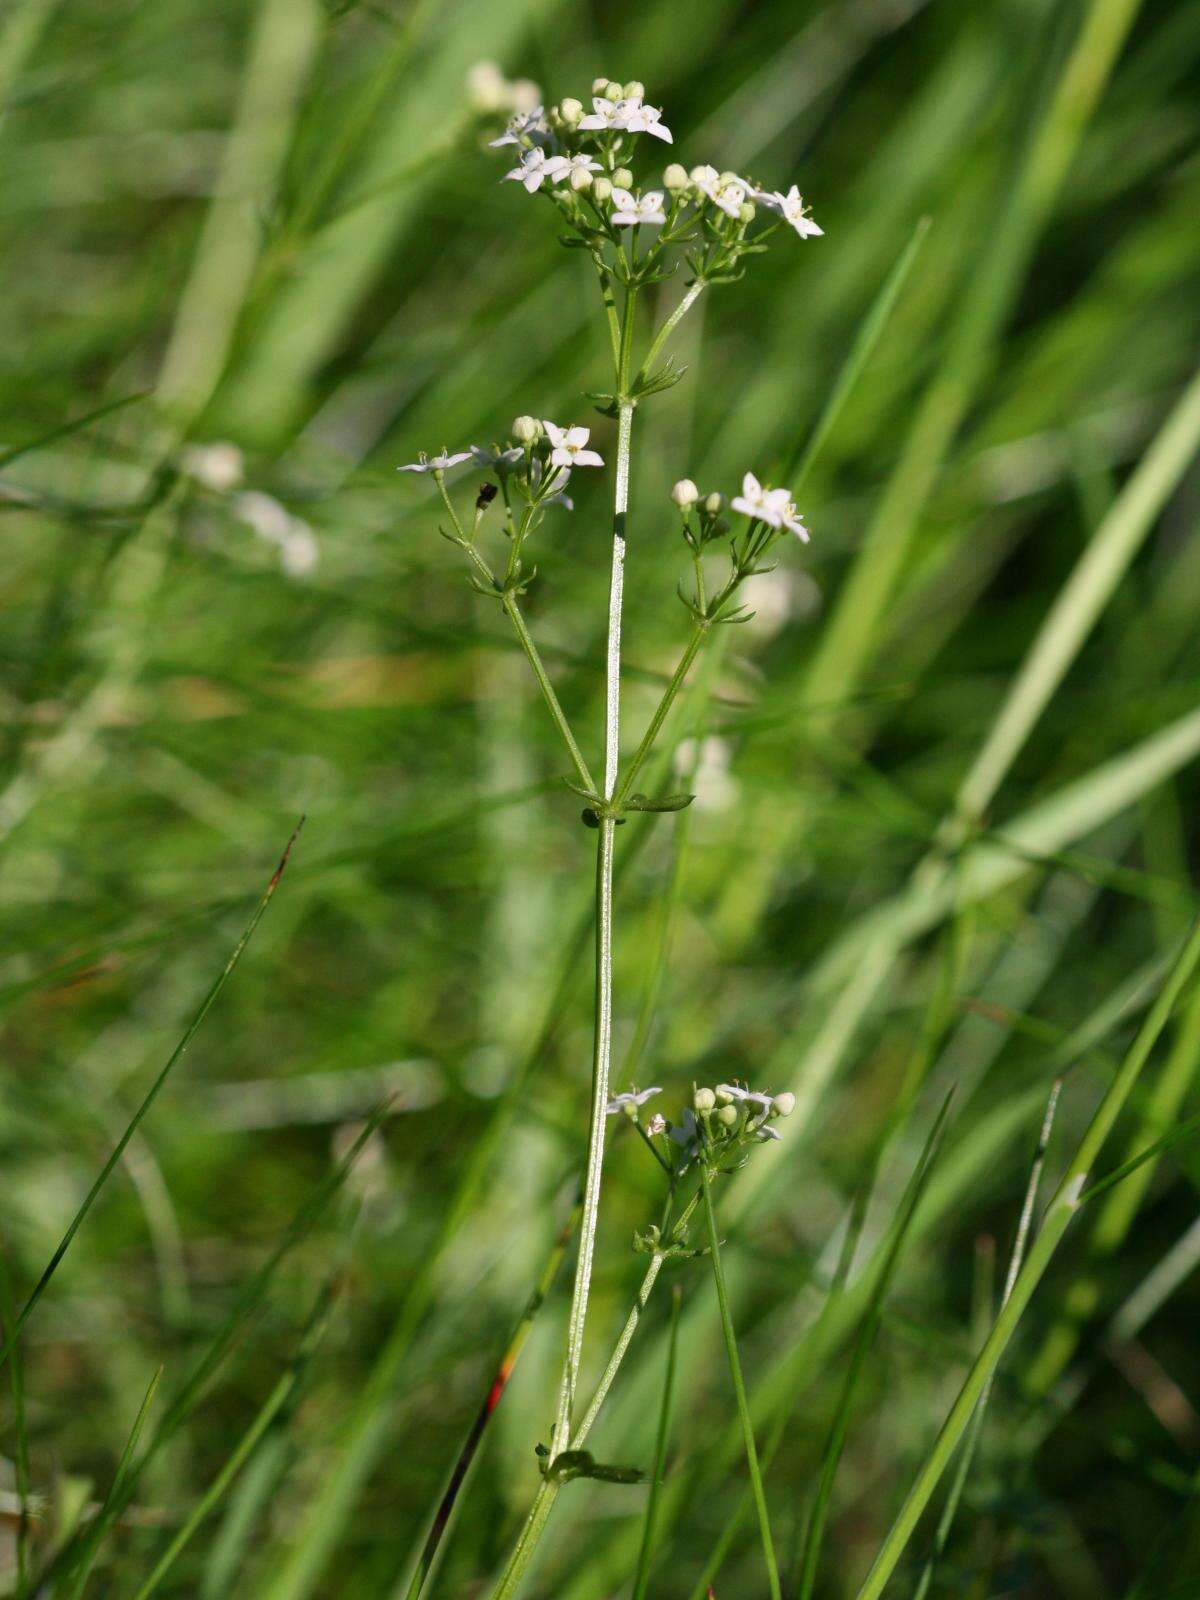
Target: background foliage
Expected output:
[275,224]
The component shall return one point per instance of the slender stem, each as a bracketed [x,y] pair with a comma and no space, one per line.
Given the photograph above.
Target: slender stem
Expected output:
[739,1389]
[642,1575]
[602,1038]
[654,727]
[694,292]
[532,654]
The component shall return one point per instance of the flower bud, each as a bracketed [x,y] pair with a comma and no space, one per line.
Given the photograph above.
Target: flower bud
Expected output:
[728,1115]
[727,178]
[675,178]
[657,1124]
[783,1104]
[570,110]
[713,503]
[612,90]
[602,189]
[623,178]
[629,1107]
[599,85]
[699,172]
[704,1100]
[685,494]
[581,178]
[634,90]
[746,211]
[723,1097]
[526,430]
[524,94]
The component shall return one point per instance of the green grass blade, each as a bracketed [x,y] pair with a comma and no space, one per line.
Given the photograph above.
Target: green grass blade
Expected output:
[148,1100]
[1062,1209]
[21,1478]
[868,1329]
[110,1509]
[76,425]
[641,1577]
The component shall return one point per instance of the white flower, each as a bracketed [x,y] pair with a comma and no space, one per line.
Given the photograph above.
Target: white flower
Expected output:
[567,447]
[632,210]
[725,189]
[536,166]
[775,507]
[747,1096]
[627,114]
[219,467]
[791,208]
[299,551]
[575,164]
[485,456]
[767,1133]
[264,514]
[559,476]
[527,127]
[657,1123]
[629,1102]
[441,463]
[648,119]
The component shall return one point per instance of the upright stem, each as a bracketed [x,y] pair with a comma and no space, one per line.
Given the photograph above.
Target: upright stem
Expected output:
[602,1045]
[739,1389]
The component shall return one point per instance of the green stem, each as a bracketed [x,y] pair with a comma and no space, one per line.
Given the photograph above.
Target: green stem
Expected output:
[739,1388]
[654,727]
[532,654]
[642,1575]
[694,292]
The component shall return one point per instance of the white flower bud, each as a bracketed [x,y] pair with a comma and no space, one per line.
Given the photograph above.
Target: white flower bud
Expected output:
[713,503]
[526,430]
[525,94]
[612,90]
[746,211]
[602,189]
[685,494]
[634,90]
[599,85]
[727,178]
[723,1097]
[570,110]
[622,178]
[704,1100]
[728,1115]
[581,178]
[783,1104]
[675,178]
[699,172]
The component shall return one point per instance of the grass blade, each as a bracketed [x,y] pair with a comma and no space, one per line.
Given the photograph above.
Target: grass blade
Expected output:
[21,1480]
[642,1574]
[868,1329]
[113,1501]
[148,1100]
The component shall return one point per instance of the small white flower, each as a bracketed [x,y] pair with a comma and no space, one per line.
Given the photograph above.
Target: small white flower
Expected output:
[767,1133]
[526,127]
[491,456]
[264,514]
[791,208]
[567,447]
[218,466]
[536,166]
[726,191]
[573,165]
[299,552]
[629,1101]
[633,210]
[606,114]
[441,463]
[746,1096]
[657,1124]
[775,507]
[648,119]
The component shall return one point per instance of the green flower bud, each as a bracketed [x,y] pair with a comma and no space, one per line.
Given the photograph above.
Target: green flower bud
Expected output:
[634,90]
[713,503]
[602,189]
[527,430]
[570,110]
[685,494]
[599,85]
[623,178]
[728,177]
[728,1115]
[704,1100]
[581,178]
[746,211]
[612,90]
[675,178]
[783,1104]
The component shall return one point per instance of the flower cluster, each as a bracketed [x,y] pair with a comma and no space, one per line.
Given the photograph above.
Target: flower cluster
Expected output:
[717,1128]
[579,158]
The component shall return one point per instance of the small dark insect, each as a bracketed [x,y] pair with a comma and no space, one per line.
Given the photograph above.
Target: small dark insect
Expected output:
[485,496]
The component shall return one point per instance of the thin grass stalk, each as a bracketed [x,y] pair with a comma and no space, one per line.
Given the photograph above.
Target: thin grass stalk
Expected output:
[641,1576]
[21,1477]
[110,1509]
[971,1443]
[1058,1217]
[739,1390]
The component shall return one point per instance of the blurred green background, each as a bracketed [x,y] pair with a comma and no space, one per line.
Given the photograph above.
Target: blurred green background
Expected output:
[275,225]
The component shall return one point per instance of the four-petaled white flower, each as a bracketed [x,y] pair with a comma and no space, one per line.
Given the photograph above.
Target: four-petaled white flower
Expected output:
[567,447]
[526,126]
[573,164]
[628,115]
[536,166]
[746,1096]
[491,456]
[791,208]
[775,507]
[726,191]
[633,210]
[648,119]
[629,1101]
[441,463]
